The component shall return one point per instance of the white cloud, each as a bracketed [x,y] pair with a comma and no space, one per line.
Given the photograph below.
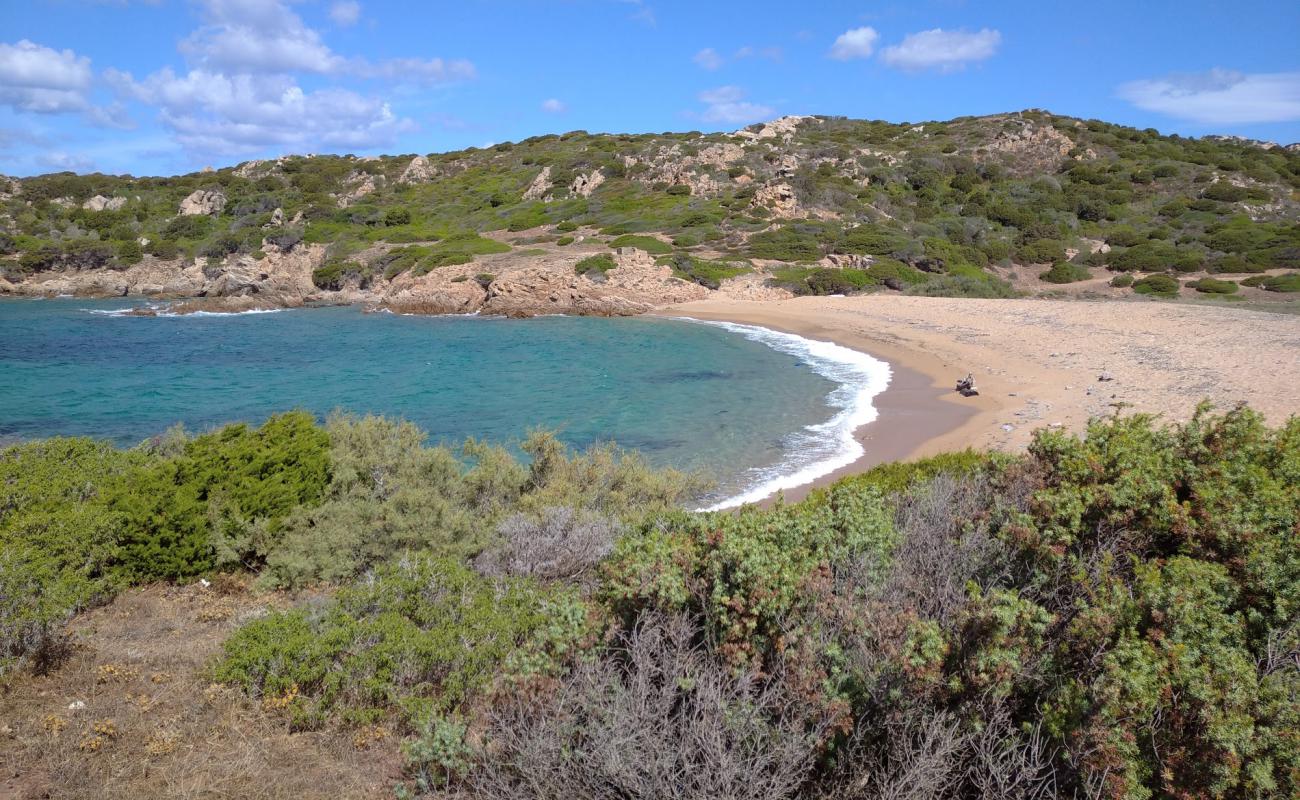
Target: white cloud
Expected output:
[414,70]
[708,58]
[43,80]
[943,50]
[552,105]
[257,36]
[266,36]
[211,112]
[1220,96]
[65,162]
[345,13]
[727,105]
[855,43]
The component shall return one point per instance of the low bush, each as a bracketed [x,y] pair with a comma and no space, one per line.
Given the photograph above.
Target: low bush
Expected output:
[1288,282]
[988,287]
[1121,281]
[1157,285]
[221,501]
[1213,286]
[1065,272]
[650,244]
[710,274]
[595,265]
[58,542]
[789,243]
[419,637]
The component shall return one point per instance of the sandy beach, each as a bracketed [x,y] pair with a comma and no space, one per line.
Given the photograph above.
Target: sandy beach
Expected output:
[1036,363]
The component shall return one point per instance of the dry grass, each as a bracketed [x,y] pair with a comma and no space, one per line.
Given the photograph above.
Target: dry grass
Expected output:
[153,725]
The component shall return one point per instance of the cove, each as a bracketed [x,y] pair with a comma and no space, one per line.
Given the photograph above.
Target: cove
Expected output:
[754,409]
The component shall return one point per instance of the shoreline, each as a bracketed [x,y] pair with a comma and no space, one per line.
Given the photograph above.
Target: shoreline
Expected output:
[918,414]
[1038,363]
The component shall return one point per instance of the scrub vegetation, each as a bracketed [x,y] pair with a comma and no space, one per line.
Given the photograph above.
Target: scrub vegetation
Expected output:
[1115,615]
[949,201]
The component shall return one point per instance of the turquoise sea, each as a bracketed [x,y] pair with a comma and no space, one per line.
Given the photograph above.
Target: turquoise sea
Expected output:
[756,409]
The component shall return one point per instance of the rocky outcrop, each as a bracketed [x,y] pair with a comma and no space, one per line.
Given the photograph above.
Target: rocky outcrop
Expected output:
[358,185]
[9,188]
[846,261]
[584,185]
[778,198]
[102,203]
[278,280]
[540,187]
[203,202]
[1030,148]
[418,171]
[781,128]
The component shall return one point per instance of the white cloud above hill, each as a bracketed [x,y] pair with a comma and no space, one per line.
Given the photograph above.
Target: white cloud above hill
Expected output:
[1220,96]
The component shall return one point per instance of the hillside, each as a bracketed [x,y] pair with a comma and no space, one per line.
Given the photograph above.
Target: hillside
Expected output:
[977,206]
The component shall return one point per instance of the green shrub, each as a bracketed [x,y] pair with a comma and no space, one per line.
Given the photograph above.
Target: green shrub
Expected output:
[1289,282]
[58,542]
[1213,286]
[785,244]
[649,244]
[567,226]
[989,287]
[564,241]
[420,637]
[872,240]
[397,216]
[597,264]
[1065,272]
[895,274]
[1041,251]
[706,273]
[1122,281]
[1157,285]
[1224,192]
[221,501]
[389,494]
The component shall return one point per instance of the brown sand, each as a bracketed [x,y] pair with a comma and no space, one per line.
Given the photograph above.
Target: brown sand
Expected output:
[1036,363]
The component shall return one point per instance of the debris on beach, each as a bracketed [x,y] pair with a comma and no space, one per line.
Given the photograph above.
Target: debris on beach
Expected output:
[966,386]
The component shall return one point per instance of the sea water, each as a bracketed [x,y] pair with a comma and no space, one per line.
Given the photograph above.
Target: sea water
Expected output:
[756,410]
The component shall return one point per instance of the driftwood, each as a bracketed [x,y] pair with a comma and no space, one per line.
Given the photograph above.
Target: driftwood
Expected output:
[966,386]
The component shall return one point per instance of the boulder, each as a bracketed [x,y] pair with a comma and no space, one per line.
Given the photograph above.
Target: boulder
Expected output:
[203,202]
[418,171]
[102,203]
[778,198]
[584,185]
[540,186]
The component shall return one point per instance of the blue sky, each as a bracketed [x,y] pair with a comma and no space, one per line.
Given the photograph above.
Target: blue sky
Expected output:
[169,86]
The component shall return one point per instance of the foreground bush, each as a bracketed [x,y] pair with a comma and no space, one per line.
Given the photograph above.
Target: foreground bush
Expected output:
[418,636]
[390,494]
[58,543]
[1112,616]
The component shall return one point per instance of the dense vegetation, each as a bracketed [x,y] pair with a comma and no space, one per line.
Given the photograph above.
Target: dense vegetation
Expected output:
[945,200]
[1113,616]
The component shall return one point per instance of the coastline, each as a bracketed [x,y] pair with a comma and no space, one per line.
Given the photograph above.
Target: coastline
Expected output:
[1037,363]
[919,414]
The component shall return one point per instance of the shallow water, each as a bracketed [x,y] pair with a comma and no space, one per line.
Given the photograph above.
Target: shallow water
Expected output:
[753,408]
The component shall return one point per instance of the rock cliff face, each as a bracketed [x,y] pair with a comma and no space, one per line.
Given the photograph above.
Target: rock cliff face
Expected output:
[521,286]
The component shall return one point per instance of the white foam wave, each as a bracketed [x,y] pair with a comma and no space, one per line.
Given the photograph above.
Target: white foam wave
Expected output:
[819,449]
[160,312]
